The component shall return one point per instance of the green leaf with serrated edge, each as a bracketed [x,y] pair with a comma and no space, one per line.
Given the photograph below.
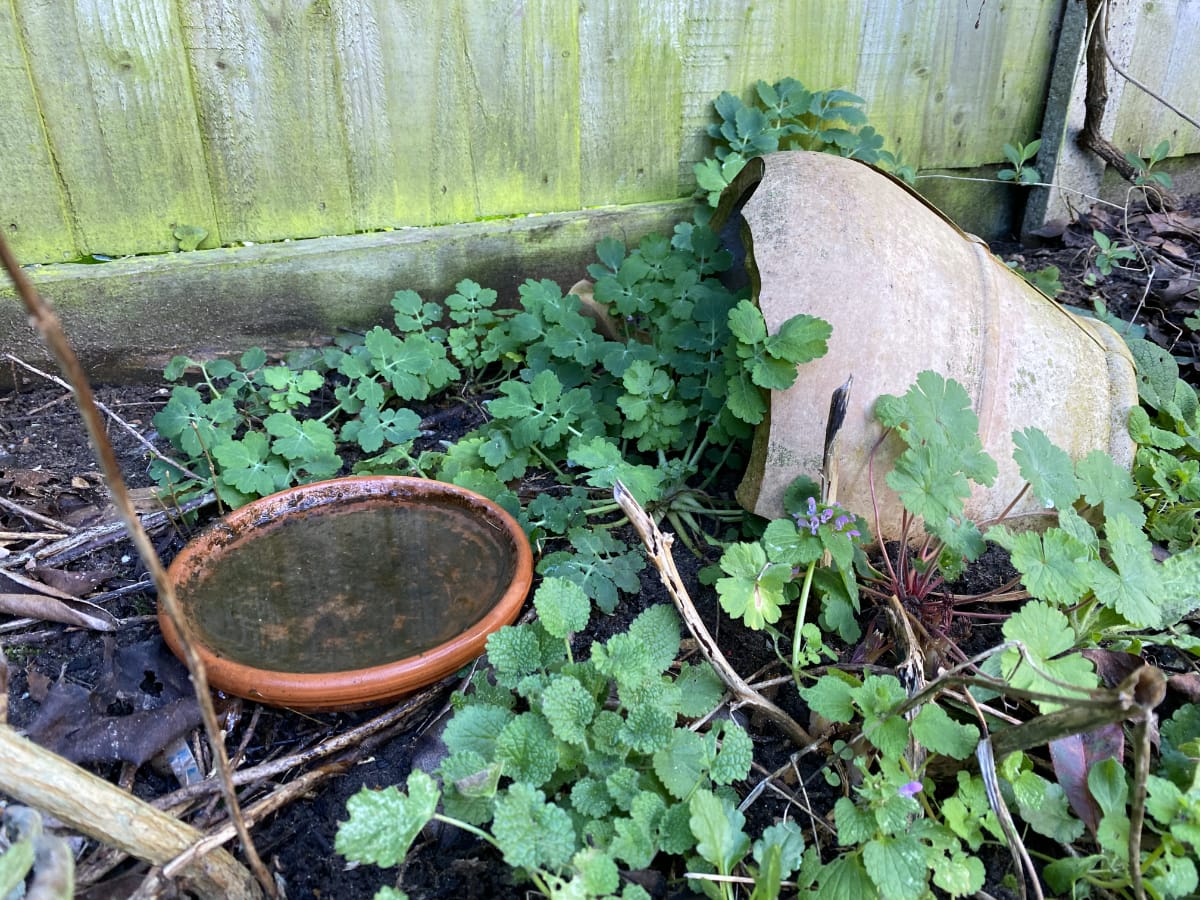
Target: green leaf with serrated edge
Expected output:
[733,759]
[647,726]
[957,874]
[248,466]
[1180,585]
[598,873]
[470,786]
[569,707]
[531,832]
[1143,431]
[514,651]
[800,339]
[635,836]
[682,765]
[744,400]
[1048,469]
[1104,483]
[1046,634]
[784,542]
[845,879]
[383,824]
[832,697]
[968,812]
[701,689]
[526,748]
[788,837]
[645,650]
[1053,565]
[562,606]
[590,797]
[717,825]
[1135,588]
[854,825]
[605,464]
[938,733]
[896,863]
[476,728]
[1044,806]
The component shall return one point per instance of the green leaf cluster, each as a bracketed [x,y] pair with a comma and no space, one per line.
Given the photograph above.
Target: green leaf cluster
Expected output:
[788,116]
[570,768]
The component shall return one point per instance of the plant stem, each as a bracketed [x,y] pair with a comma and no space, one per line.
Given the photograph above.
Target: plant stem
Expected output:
[801,612]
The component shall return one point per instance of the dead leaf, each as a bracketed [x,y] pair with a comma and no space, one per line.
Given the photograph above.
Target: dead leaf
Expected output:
[74,583]
[1187,685]
[1113,666]
[69,611]
[73,723]
[1074,756]
[78,483]
[30,481]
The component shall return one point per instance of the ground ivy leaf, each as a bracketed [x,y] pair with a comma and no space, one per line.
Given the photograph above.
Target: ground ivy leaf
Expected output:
[701,689]
[1047,468]
[831,697]
[934,728]
[476,728]
[383,824]
[958,874]
[1045,807]
[736,754]
[896,863]
[846,879]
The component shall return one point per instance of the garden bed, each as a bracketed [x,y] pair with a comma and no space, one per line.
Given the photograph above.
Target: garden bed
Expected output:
[49,482]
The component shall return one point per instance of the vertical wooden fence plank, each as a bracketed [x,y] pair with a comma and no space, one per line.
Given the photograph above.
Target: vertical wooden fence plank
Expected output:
[1165,60]
[520,88]
[269,111]
[409,145]
[729,46]
[630,89]
[33,215]
[116,99]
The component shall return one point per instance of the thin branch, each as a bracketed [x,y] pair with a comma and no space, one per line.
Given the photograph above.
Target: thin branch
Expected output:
[50,328]
[150,448]
[658,548]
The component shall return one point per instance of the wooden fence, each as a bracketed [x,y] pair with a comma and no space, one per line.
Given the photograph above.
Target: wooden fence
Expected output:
[259,120]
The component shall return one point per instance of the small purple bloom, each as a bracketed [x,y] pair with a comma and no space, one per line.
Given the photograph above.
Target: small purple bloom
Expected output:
[813,524]
[854,533]
[910,789]
[826,514]
[812,506]
[841,522]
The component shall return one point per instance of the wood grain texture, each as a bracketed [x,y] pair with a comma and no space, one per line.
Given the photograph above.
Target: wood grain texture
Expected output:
[1165,50]
[268,102]
[261,120]
[111,83]
[33,214]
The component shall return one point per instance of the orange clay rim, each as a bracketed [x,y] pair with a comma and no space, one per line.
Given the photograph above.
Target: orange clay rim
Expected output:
[354,687]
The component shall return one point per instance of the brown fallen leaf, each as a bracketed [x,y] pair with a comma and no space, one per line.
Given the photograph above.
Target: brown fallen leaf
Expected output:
[1186,685]
[70,611]
[74,583]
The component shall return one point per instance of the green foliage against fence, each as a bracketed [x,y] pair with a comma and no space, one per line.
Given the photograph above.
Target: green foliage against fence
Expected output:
[259,120]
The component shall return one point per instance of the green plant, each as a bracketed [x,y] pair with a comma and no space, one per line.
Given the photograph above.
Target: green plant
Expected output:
[788,116]
[1017,157]
[1143,166]
[1046,279]
[1109,254]
[565,785]
[1166,427]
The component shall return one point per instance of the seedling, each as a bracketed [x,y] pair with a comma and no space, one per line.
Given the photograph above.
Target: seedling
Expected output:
[1018,156]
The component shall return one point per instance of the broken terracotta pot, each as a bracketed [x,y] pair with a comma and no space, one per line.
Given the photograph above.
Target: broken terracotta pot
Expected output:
[905,290]
[349,592]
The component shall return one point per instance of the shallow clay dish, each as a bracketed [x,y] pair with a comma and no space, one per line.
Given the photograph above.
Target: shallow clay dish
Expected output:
[349,592]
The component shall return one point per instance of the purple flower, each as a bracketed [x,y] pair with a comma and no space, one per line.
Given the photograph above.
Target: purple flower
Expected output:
[812,506]
[813,524]
[910,789]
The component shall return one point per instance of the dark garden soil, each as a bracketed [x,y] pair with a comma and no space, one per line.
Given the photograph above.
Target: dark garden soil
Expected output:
[67,684]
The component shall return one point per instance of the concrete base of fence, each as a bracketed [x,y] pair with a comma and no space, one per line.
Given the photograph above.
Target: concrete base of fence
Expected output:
[126,318]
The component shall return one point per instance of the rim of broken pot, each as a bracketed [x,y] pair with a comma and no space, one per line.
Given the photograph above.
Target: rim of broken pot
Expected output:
[373,685]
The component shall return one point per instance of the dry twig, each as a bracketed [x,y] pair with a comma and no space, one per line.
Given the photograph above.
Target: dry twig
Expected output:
[51,331]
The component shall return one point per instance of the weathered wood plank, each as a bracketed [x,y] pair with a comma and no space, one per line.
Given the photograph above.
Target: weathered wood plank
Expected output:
[630,102]
[408,144]
[128,317]
[115,97]
[519,83]
[1164,59]
[269,108]
[33,213]
[729,46]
